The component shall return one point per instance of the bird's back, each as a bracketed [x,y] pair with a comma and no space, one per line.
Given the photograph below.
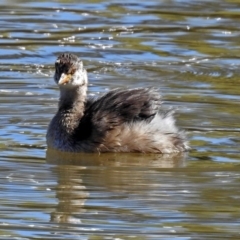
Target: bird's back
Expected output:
[129,121]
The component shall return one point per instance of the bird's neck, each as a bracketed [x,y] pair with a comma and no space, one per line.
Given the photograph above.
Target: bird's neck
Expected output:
[71,107]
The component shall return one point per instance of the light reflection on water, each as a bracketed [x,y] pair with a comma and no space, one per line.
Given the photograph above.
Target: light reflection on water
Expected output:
[190,51]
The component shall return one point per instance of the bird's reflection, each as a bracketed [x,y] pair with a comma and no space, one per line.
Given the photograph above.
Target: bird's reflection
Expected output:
[116,159]
[78,175]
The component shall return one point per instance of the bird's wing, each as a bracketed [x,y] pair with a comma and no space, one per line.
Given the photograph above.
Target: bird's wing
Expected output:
[120,106]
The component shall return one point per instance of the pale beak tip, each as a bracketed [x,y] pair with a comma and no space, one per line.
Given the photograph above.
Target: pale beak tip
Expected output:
[64,79]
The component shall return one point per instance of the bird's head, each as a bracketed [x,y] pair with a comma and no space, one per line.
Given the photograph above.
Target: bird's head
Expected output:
[69,71]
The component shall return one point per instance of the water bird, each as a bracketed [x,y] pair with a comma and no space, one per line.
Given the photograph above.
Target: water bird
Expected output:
[122,120]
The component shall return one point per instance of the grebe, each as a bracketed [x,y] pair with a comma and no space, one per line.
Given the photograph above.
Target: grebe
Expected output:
[119,121]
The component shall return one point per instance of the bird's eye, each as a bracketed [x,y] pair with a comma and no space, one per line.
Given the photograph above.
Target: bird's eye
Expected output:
[57,69]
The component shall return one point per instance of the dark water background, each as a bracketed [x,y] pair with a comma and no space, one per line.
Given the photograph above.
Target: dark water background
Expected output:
[190,50]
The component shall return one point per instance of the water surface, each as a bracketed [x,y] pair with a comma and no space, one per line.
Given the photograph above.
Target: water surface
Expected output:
[189,50]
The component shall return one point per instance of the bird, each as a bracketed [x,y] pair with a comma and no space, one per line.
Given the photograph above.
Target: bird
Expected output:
[121,120]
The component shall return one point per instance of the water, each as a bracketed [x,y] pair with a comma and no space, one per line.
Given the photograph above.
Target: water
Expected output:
[189,49]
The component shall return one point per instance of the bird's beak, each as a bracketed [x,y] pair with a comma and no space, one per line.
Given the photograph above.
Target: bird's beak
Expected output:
[65,78]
